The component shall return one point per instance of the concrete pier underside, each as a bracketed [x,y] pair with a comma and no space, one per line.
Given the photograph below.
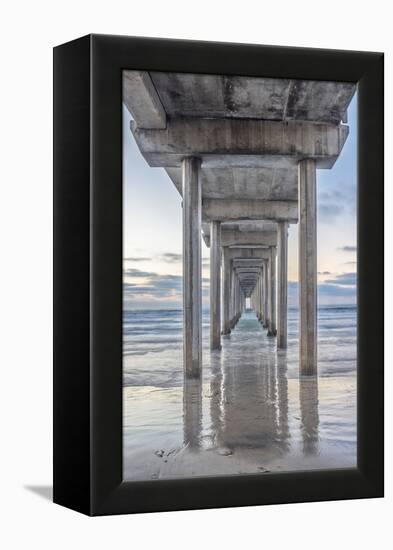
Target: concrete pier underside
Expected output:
[243,153]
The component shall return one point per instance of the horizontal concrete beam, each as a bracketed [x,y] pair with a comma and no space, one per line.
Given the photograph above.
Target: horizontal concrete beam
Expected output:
[231,238]
[260,232]
[235,161]
[252,238]
[142,101]
[251,138]
[265,183]
[248,269]
[251,254]
[248,265]
[263,246]
[238,209]
[250,225]
[224,96]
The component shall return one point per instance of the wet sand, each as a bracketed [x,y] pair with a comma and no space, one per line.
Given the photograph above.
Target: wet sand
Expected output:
[250,414]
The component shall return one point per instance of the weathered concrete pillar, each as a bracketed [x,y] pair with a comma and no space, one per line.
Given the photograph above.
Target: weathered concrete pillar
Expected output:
[307,267]
[192,268]
[265,294]
[237,300]
[282,278]
[226,290]
[231,307]
[272,292]
[235,304]
[261,298]
[215,285]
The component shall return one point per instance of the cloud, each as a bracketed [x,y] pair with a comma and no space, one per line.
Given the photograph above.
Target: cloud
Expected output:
[332,195]
[335,290]
[347,248]
[132,272]
[324,273]
[350,263]
[331,204]
[171,257]
[137,259]
[156,286]
[329,212]
[336,199]
[344,279]
[328,293]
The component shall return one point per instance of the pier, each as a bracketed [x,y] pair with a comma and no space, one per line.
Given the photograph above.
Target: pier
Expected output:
[243,152]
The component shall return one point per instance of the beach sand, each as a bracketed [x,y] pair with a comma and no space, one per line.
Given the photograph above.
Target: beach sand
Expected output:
[250,413]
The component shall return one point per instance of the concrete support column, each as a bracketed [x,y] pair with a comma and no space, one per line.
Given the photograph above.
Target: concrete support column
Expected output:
[265,295]
[226,291]
[236,299]
[232,300]
[272,292]
[192,268]
[307,267]
[260,287]
[215,285]
[282,278]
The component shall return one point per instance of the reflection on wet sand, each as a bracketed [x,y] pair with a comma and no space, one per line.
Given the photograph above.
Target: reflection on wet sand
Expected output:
[308,396]
[192,412]
[248,404]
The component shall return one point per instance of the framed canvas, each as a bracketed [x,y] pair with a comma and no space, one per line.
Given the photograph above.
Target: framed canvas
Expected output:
[218,275]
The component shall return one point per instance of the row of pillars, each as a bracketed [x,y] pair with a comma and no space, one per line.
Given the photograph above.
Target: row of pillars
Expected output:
[272,308]
[264,295]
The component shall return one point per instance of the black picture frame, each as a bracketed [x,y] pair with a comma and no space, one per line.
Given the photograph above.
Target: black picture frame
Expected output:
[88,274]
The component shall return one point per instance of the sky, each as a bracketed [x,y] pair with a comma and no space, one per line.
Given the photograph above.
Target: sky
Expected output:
[152,231]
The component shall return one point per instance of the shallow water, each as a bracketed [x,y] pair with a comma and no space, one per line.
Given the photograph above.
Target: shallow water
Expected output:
[251,413]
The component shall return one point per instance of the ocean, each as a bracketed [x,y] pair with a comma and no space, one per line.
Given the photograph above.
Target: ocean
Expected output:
[251,413]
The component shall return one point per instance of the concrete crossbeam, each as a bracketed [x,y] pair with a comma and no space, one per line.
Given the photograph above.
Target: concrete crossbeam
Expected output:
[141,99]
[238,209]
[226,137]
[239,255]
[263,182]
[247,269]
[220,96]
[238,238]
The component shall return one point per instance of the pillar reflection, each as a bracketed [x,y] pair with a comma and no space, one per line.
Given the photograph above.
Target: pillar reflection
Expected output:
[248,402]
[308,396]
[282,398]
[192,412]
